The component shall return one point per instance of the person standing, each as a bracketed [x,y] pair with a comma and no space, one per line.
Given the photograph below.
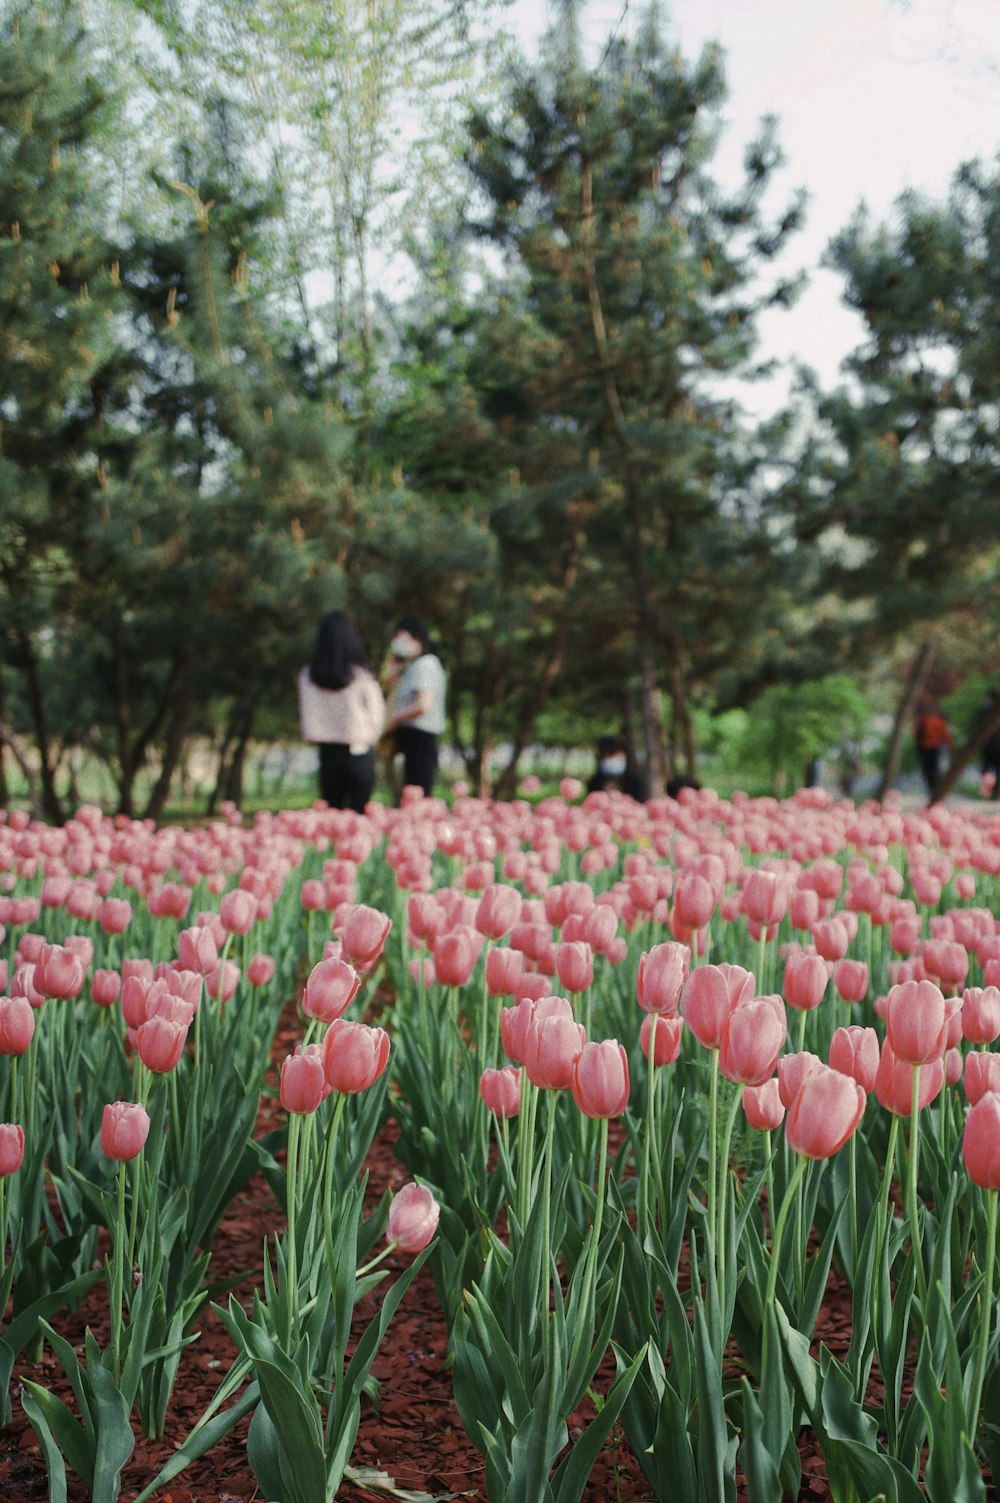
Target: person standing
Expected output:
[933,744]
[342,711]
[989,752]
[417,716]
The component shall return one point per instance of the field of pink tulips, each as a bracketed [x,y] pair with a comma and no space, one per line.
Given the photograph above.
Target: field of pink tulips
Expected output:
[789,1009]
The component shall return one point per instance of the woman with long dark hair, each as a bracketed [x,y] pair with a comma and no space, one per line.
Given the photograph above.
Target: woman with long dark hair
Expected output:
[342,711]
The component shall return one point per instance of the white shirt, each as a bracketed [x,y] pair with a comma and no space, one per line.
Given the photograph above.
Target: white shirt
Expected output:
[352,717]
[423,675]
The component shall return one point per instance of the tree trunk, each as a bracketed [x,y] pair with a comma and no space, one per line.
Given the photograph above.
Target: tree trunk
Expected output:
[4,789]
[965,755]
[904,713]
[126,767]
[7,741]
[682,713]
[173,747]
[52,809]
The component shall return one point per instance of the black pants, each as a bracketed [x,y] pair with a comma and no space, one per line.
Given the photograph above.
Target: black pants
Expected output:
[931,765]
[420,756]
[346,780]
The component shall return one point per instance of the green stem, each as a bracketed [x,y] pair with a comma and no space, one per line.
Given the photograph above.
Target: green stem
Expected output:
[291,1254]
[786,1205]
[720,1260]
[585,1326]
[986,1315]
[647,1221]
[915,1244]
[117,1278]
[713,1107]
[547,1332]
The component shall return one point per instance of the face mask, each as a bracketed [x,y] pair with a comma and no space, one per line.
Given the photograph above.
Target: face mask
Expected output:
[613,767]
[403,646]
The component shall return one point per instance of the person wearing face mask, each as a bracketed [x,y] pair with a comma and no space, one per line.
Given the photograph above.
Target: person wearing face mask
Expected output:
[613,770]
[417,717]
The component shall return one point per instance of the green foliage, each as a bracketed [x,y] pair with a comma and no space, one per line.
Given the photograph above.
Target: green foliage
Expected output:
[791,724]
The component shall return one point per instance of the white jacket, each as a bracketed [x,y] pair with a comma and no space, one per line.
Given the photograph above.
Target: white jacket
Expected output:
[352,717]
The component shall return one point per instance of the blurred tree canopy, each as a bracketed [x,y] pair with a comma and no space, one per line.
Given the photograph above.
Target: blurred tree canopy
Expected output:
[347,305]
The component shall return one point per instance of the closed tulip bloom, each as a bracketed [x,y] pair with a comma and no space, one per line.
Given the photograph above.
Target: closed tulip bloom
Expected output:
[916,1022]
[115,915]
[303,1082]
[668,1036]
[850,977]
[600,1079]
[904,934]
[238,911]
[663,970]
[752,1038]
[806,978]
[765,898]
[197,950]
[803,908]
[59,973]
[551,1045]
[413,1218]
[105,987]
[11,1147]
[981,1142]
[363,936]
[982,1074]
[599,927]
[330,989]
[792,1071]
[354,1056]
[831,938]
[763,1106]
[124,1130]
[160,1043]
[22,984]
[260,969]
[824,1113]
[854,1051]
[312,895]
[981,1014]
[947,961]
[694,901]
[575,966]
[17,1025]
[503,970]
[455,954]
[221,983]
[894,1082]
[498,911]
[954,1066]
[709,996]
[501,1090]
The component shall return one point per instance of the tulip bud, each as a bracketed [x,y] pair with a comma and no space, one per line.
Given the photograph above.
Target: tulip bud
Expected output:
[124,1130]
[413,1218]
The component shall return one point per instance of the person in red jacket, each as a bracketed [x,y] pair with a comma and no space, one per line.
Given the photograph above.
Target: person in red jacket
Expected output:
[933,743]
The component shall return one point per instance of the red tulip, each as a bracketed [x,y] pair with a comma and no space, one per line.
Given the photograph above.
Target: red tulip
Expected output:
[824,1113]
[981,1142]
[354,1056]
[663,970]
[600,1079]
[413,1218]
[11,1147]
[501,1090]
[124,1130]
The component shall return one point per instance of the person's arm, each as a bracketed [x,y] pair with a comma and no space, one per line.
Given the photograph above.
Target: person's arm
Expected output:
[419,705]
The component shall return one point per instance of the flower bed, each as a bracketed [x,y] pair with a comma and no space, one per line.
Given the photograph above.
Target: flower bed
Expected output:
[817,986]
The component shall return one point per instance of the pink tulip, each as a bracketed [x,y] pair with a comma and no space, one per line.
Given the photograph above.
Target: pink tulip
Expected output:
[363,936]
[806,978]
[904,934]
[763,1107]
[694,901]
[854,1051]
[104,988]
[752,1038]
[354,1056]
[981,1142]
[831,938]
[575,966]
[413,1218]
[981,1014]
[709,996]
[954,1065]
[160,1043]
[765,897]
[498,911]
[850,977]
[17,1025]
[312,895]
[503,970]
[552,1042]
[330,989]
[501,1090]
[124,1130]
[792,1071]
[947,961]
[894,1082]
[663,970]
[600,1079]
[825,1112]
[599,928]
[238,911]
[303,1082]
[669,1033]
[260,969]
[456,953]
[197,950]
[59,973]
[982,1074]
[803,908]
[221,983]
[916,1022]
[11,1148]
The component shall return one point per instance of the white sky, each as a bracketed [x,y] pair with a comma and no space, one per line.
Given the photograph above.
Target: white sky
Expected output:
[872,96]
